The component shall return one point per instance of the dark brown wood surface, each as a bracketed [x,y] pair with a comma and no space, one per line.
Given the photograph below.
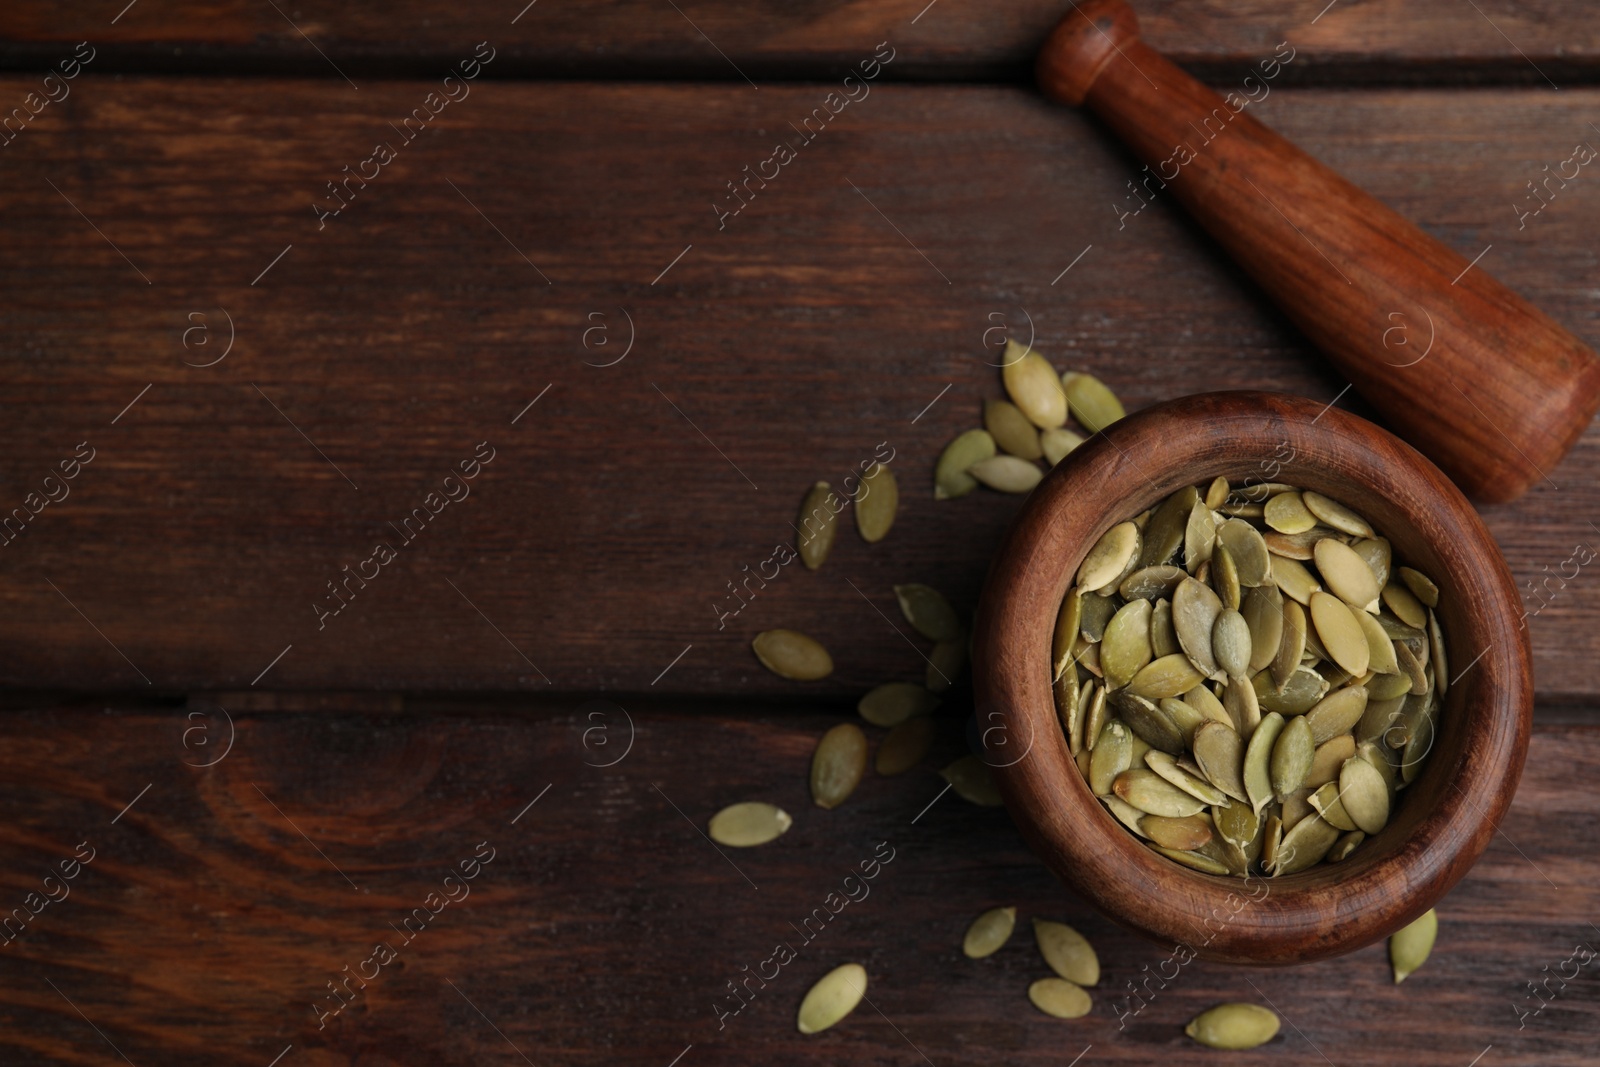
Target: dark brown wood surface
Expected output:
[605,928]
[1536,42]
[854,292]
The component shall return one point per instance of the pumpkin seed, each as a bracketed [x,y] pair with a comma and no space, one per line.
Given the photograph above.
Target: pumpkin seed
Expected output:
[748,824]
[1296,805]
[1381,715]
[1154,795]
[1148,583]
[1421,586]
[1291,644]
[894,702]
[1364,794]
[1217,492]
[1093,699]
[1346,574]
[834,996]
[1238,824]
[1381,687]
[1410,946]
[1294,546]
[1224,577]
[876,503]
[928,612]
[1068,619]
[1380,650]
[1337,713]
[1304,845]
[905,746]
[1233,1026]
[1148,721]
[791,654]
[1199,536]
[1125,646]
[1326,801]
[1336,515]
[1407,608]
[1418,745]
[1339,632]
[1230,644]
[1008,474]
[1206,703]
[1032,384]
[1411,667]
[944,664]
[1348,842]
[1198,861]
[1249,551]
[1257,757]
[1287,513]
[1057,444]
[1328,758]
[1441,668]
[1069,710]
[1260,492]
[1125,813]
[1109,557]
[1088,656]
[1381,760]
[1219,751]
[1060,998]
[1092,404]
[1263,615]
[1186,717]
[1011,429]
[1293,578]
[1194,614]
[1167,767]
[1067,952]
[988,932]
[838,764]
[1112,754]
[1168,676]
[1298,695]
[1239,699]
[950,477]
[817,525]
[1291,757]
[1164,533]
[1271,842]
[1377,554]
[972,780]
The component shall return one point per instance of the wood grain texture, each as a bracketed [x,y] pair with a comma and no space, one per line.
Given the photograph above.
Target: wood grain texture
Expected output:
[1535,42]
[781,349]
[1504,392]
[605,927]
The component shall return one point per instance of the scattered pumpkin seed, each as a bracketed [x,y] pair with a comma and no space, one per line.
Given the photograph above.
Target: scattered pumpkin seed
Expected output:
[748,824]
[1234,1026]
[894,702]
[1092,404]
[905,746]
[1008,474]
[1230,643]
[1011,429]
[1199,536]
[1057,444]
[1183,835]
[1224,577]
[1068,952]
[1410,946]
[972,780]
[876,503]
[928,612]
[1194,615]
[1060,998]
[1169,676]
[834,996]
[950,477]
[1068,620]
[838,764]
[1194,784]
[945,663]
[1032,384]
[1292,577]
[1150,583]
[1248,550]
[817,525]
[791,654]
[988,933]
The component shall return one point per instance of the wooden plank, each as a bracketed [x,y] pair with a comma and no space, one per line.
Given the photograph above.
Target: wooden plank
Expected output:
[842,311]
[1536,42]
[217,907]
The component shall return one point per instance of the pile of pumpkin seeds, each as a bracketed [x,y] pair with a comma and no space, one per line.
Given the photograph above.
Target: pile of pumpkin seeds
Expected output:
[1030,426]
[1246,677]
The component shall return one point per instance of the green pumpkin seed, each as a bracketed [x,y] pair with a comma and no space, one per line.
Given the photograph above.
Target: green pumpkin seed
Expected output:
[1382,761]
[1033,387]
[1441,667]
[1330,807]
[1382,687]
[1167,767]
[1407,608]
[1011,429]
[928,612]
[1244,709]
[1059,998]
[1154,795]
[1364,794]
[1257,760]
[832,998]
[1238,824]
[1304,845]
[1291,645]
[1410,946]
[1296,805]
[1093,405]
[1069,709]
[817,525]
[1149,583]
[1163,636]
[1380,650]
[1206,703]
[1294,579]
[748,824]
[1110,556]
[1093,700]
[791,654]
[1337,713]
[1163,535]
[1411,666]
[1263,616]
[1295,546]
[1346,574]
[1186,717]
[1068,620]
[1233,1026]
[1336,515]
[1421,586]
[1271,842]
[905,746]
[1007,474]
[988,933]
[1287,513]
[1125,646]
[1340,634]
[1248,550]
[1217,492]
[973,782]
[1125,813]
[894,702]
[1298,695]
[1169,676]
[1057,444]
[1067,952]
[1148,722]
[1328,758]
[1224,577]
[950,477]
[1377,554]
[1199,536]
[1219,751]
[944,664]
[838,764]
[1230,644]
[1418,745]
[1198,861]
[876,503]
[1111,755]
[1194,615]
[1348,842]
[1291,757]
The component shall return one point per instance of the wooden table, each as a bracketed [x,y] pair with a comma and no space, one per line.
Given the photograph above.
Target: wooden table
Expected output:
[253,391]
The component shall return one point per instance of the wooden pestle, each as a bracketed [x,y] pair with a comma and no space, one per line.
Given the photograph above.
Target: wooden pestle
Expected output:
[1474,376]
